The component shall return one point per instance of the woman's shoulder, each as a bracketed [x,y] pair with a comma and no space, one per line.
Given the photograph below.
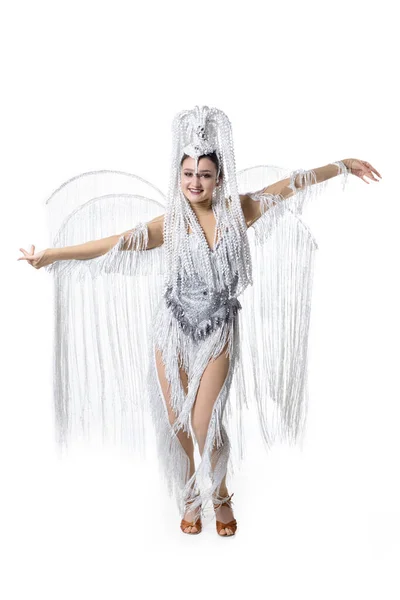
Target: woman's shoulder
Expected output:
[249,208]
[155,229]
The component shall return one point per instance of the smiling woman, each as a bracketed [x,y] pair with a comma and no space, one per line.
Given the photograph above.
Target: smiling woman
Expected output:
[150,319]
[199,189]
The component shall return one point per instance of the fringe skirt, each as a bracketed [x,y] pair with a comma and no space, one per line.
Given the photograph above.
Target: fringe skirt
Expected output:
[179,350]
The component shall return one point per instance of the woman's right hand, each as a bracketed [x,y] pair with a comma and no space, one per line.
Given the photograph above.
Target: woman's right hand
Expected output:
[38,259]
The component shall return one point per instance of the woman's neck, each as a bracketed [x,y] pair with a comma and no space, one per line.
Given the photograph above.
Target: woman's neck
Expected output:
[202,209]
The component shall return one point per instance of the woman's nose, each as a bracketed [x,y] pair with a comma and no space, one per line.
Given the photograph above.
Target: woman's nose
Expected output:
[197,177]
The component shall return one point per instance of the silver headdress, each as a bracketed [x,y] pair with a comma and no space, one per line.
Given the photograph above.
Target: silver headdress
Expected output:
[199,132]
[202,133]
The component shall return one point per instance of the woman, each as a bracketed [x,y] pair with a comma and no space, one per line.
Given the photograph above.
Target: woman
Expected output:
[194,342]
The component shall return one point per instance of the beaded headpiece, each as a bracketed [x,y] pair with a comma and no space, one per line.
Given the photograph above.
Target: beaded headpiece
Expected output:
[199,132]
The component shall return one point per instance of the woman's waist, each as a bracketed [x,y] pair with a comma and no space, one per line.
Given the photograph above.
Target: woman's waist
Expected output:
[199,311]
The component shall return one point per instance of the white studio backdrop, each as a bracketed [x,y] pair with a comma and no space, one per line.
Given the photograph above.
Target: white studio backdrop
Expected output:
[95,85]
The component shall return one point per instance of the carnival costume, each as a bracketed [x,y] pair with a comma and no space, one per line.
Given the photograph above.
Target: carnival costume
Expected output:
[112,312]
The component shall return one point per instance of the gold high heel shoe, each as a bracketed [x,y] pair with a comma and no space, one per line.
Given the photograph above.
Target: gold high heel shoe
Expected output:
[232,525]
[184,524]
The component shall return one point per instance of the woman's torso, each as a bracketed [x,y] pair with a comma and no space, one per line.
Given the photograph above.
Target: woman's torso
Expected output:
[199,308]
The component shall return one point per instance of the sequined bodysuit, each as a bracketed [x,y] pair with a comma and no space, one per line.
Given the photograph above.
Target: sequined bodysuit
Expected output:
[198,309]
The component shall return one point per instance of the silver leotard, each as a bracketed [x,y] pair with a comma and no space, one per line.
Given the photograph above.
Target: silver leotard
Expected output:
[198,309]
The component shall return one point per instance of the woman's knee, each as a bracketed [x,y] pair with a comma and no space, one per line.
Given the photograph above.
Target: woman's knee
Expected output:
[200,424]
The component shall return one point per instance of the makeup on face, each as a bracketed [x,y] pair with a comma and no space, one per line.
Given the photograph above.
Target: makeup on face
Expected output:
[198,185]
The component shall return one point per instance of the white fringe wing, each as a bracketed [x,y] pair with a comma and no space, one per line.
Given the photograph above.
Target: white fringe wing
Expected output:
[103,308]
[276,310]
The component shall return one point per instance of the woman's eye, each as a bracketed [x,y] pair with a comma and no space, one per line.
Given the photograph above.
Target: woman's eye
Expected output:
[203,175]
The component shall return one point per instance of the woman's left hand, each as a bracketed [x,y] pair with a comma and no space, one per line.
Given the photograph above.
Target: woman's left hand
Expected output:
[361,168]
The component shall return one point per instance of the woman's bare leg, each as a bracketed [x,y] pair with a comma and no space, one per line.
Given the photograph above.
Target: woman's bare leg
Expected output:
[211,383]
[185,440]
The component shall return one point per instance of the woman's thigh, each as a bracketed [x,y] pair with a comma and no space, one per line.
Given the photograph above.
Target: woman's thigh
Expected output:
[211,383]
[165,385]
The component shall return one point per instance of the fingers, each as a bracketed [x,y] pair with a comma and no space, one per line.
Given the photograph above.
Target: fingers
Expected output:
[372,176]
[372,169]
[30,258]
[369,173]
[363,169]
[28,253]
[27,256]
[366,170]
[363,173]
[25,253]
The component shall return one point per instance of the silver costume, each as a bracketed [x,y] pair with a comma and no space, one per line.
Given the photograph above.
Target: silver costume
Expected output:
[114,311]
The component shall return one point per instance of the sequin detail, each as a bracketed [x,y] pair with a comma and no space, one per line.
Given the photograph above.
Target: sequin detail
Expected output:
[199,309]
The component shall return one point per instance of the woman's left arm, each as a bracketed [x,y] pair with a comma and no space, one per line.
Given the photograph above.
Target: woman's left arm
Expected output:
[285,188]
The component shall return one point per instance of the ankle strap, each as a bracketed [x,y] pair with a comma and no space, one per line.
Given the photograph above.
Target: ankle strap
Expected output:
[221,501]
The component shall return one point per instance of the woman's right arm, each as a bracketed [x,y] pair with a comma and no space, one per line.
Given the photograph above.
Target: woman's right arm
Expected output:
[95,248]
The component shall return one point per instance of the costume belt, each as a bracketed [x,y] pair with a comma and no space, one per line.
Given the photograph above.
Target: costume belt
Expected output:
[199,310]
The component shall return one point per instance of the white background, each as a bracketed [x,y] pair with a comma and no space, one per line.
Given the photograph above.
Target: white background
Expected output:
[95,85]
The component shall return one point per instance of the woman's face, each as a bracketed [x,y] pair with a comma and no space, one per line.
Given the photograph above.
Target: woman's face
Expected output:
[198,188]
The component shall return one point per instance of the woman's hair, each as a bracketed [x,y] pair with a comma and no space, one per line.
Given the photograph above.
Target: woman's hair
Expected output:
[213,157]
